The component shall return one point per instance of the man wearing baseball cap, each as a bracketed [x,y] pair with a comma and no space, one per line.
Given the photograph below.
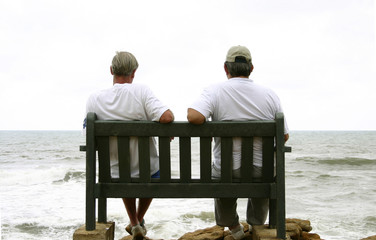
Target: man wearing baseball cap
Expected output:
[237,99]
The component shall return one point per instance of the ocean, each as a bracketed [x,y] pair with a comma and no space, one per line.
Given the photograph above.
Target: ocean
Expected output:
[330,180]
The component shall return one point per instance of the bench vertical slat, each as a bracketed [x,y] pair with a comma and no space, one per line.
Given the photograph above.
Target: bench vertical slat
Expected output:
[90,171]
[247,159]
[124,159]
[144,158]
[104,174]
[280,178]
[104,159]
[165,159]
[267,159]
[226,159]
[205,159]
[185,159]
[272,213]
[268,173]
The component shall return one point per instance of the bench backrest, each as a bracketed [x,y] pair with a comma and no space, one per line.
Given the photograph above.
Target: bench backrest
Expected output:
[271,132]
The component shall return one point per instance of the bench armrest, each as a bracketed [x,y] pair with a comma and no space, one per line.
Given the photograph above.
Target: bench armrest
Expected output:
[287,149]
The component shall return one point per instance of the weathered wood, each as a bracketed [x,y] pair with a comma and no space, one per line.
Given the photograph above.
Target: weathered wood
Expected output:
[124,159]
[185,190]
[164,159]
[90,171]
[267,159]
[103,144]
[270,185]
[185,159]
[183,129]
[144,158]
[205,159]
[247,159]
[226,159]
[280,178]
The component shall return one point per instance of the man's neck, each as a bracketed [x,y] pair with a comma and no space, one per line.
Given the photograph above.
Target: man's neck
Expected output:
[229,77]
[122,79]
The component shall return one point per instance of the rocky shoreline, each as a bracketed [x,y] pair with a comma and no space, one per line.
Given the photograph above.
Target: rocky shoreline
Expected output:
[296,229]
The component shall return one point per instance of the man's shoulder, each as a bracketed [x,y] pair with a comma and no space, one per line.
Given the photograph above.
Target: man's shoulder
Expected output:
[131,87]
[264,88]
[99,92]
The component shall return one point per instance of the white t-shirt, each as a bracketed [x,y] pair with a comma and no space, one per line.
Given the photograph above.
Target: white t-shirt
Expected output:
[238,99]
[128,102]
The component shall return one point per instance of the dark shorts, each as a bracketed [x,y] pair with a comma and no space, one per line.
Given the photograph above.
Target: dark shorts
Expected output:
[156,175]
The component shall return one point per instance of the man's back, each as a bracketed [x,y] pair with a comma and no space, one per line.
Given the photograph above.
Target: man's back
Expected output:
[241,99]
[126,102]
[238,99]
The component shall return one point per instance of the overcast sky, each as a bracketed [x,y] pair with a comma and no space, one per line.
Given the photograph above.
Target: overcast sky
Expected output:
[317,55]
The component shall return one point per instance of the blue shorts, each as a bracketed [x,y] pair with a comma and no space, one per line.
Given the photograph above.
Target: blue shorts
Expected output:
[156,175]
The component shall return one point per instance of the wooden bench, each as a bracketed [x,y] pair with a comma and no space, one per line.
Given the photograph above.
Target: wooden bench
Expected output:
[184,186]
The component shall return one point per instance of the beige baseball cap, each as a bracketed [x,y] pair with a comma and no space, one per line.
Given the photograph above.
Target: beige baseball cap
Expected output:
[238,51]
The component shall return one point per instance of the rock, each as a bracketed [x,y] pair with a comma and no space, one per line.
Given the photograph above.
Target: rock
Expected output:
[130,238]
[293,230]
[370,238]
[296,229]
[248,236]
[215,233]
[310,236]
[212,233]
[102,231]
[304,224]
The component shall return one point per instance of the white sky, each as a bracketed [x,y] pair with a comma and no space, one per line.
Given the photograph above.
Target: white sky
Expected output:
[317,55]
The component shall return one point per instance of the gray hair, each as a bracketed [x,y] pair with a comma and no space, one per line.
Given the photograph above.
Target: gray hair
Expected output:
[124,63]
[239,69]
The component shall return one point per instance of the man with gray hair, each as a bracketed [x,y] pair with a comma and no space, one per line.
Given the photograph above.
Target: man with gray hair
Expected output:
[126,100]
[238,99]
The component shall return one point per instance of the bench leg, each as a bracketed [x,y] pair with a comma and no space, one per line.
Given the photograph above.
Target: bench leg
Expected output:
[102,210]
[272,213]
[281,219]
[90,213]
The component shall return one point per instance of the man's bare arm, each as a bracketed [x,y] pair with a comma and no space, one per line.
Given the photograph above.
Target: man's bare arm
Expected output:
[287,136]
[167,117]
[195,117]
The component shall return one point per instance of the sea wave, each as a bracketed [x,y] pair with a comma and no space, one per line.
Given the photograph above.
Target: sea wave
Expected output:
[72,176]
[355,161]
[348,161]
[204,216]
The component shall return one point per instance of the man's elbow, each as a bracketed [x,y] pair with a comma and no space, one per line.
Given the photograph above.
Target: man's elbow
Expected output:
[195,117]
[195,120]
[167,117]
[287,136]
